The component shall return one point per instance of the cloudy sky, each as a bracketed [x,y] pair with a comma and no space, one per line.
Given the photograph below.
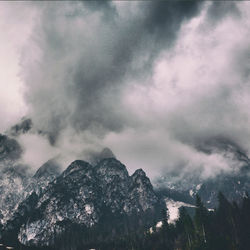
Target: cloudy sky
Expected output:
[150,80]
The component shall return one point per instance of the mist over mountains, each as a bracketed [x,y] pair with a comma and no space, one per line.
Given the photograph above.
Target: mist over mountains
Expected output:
[114,110]
[101,201]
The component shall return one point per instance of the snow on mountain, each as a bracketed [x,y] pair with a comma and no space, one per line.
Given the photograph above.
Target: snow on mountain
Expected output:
[83,195]
[173,209]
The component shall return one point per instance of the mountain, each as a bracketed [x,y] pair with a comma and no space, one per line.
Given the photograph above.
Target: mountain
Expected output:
[102,199]
[234,184]
[94,157]
[13,181]
[98,198]
[13,177]
[43,176]
[16,180]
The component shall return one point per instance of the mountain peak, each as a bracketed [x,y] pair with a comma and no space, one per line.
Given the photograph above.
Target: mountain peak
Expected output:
[94,157]
[106,153]
[111,167]
[51,167]
[139,173]
[75,166]
[140,179]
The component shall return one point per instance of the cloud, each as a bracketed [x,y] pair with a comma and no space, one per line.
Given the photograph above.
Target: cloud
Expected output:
[199,89]
[37,150]
[15,32]
[82,55]
[150,80]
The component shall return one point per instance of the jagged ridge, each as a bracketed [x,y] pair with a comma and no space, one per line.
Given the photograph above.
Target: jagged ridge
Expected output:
[84,195]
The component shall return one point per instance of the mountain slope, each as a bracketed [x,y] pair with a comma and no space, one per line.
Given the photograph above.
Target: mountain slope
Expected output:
[104,196]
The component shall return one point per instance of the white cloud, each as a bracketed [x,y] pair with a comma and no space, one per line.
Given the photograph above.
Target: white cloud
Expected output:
[15,26]
[37,150]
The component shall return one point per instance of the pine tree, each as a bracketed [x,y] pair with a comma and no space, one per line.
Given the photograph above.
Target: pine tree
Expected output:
[165,217]
[227,222]
[201,222]
[185,227]
[245,223]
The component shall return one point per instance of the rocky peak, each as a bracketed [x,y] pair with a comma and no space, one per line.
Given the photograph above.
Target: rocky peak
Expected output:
[114,180]
[43,176]
[106,153]
[139,173]
[111,167]
[77,166]
[141,180]
[94,157]
[142,190]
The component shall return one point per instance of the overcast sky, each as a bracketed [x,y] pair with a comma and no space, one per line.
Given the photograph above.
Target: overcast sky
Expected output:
[150,80]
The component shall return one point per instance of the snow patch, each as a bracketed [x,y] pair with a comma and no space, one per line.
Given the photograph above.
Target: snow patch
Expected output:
[198,187]
[88,209]
[173,209]
[191,192]
[159,224]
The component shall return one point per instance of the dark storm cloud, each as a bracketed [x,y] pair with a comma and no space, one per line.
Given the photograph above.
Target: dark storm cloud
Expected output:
[221,9]
[108,49]
[165,17]
[98,92]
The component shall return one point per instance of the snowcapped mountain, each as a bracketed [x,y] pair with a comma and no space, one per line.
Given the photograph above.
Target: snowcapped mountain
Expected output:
[84,195]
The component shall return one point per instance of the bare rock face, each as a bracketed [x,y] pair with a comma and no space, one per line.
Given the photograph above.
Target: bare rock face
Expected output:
[84,195]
